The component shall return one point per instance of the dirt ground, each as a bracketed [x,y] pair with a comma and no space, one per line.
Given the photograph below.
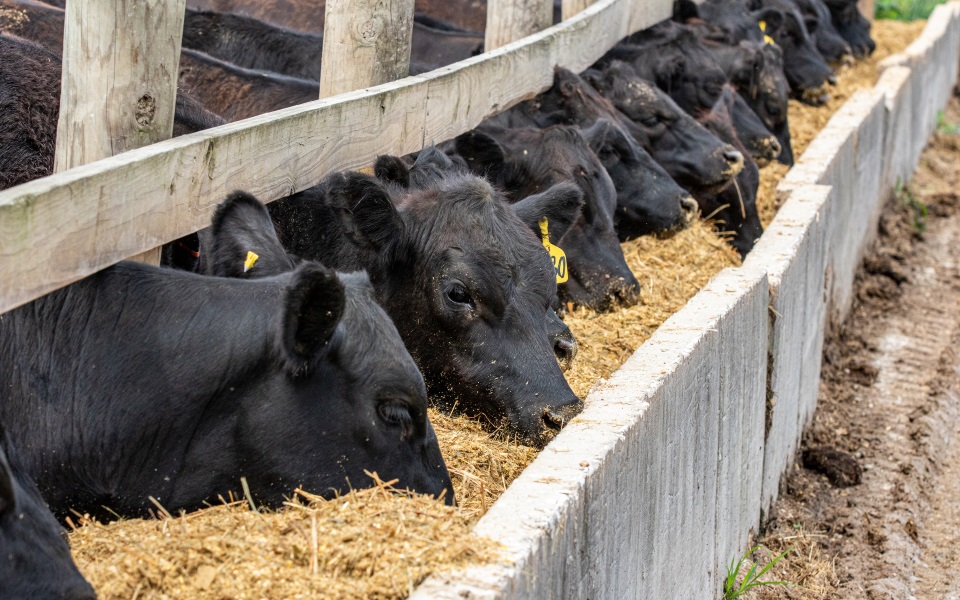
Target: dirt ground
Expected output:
[873,508]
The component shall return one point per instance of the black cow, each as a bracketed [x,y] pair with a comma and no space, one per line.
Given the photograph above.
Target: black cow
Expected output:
[525,161]
[35,562]
[691,155]
[141,381]
[830,43]
[804,66]
[431,164]
[30,108]
[673,57]
[464,276]
[852,26]
[756,70]
[253,44]
[34,21]
[735,207]
[236,93]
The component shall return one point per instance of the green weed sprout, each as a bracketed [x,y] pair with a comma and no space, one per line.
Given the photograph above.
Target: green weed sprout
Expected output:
[731,590]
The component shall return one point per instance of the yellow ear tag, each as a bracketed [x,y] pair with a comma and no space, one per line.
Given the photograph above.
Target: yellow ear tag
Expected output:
[251,260]
[558,256]
[766,38]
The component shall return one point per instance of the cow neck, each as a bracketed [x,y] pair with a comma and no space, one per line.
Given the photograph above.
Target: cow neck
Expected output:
[134,355]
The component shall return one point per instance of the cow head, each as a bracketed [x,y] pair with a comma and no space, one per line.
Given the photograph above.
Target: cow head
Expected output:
[673,56]
[526,161]
[804,67]
[852,26]
[648,199]
[468,283]
[735,207]
[693,156]
[35,562]
[830,43]
[347,397]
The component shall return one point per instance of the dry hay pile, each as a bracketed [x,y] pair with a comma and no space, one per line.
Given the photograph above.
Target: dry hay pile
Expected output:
[373,543]
[807,121]
[379,544]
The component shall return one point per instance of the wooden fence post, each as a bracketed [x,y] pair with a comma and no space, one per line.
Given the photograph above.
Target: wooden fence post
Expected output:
[569,8]
[511,20]
[365,43]
[119,83]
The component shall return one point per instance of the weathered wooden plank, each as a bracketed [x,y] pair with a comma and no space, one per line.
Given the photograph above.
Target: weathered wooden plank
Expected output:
[119,80]
[365,43]
[511,20]
[569,8]
[59,229]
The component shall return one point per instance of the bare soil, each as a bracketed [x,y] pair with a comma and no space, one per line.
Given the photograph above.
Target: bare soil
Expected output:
[872,509]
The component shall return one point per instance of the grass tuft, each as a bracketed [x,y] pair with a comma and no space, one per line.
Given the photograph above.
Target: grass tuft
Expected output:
[731,590]
[905,10]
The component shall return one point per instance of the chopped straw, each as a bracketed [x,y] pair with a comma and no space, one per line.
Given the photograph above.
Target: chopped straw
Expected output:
[381,542]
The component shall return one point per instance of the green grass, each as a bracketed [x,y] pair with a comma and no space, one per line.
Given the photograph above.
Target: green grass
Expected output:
[918,210]
[732,591]
[905,10]
[945,126]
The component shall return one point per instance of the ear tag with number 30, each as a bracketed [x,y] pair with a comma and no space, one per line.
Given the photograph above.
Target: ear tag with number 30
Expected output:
[558,256]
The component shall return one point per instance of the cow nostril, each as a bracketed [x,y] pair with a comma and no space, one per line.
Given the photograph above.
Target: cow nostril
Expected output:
[775,147]
[832,80]
[733,156]
[556,417]
[566,350]
[689,205]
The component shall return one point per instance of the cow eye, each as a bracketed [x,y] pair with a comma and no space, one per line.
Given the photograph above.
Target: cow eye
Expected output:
[397,413]
[649,122]
[458,293]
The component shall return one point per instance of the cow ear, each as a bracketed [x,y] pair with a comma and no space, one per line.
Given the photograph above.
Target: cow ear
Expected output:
[599,134]
[561,205]
[595,78]
[244,243]
[8,494]
[669,69]
[314,305]
[392,169]
[812,24]
[369,218]
[772,17]
[684,10]
[484,155]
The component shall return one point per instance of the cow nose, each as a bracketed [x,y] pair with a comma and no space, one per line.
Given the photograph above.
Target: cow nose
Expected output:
[733,158]
[775,147]
[565,348]
[832,80]
[688,204]
[556,417]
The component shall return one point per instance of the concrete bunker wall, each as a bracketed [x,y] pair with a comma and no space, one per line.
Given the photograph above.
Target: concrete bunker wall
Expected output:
[653,489]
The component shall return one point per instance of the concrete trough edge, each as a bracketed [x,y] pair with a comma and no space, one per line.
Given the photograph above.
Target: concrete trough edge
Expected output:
[668,468]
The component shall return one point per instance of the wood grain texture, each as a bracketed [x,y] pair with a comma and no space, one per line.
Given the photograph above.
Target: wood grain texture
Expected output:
[62,228]
[511,20]
[365,43]
[569,8]
[119,89]
[119,81]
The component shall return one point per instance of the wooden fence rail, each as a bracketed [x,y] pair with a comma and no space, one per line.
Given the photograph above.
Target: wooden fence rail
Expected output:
[62,228]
